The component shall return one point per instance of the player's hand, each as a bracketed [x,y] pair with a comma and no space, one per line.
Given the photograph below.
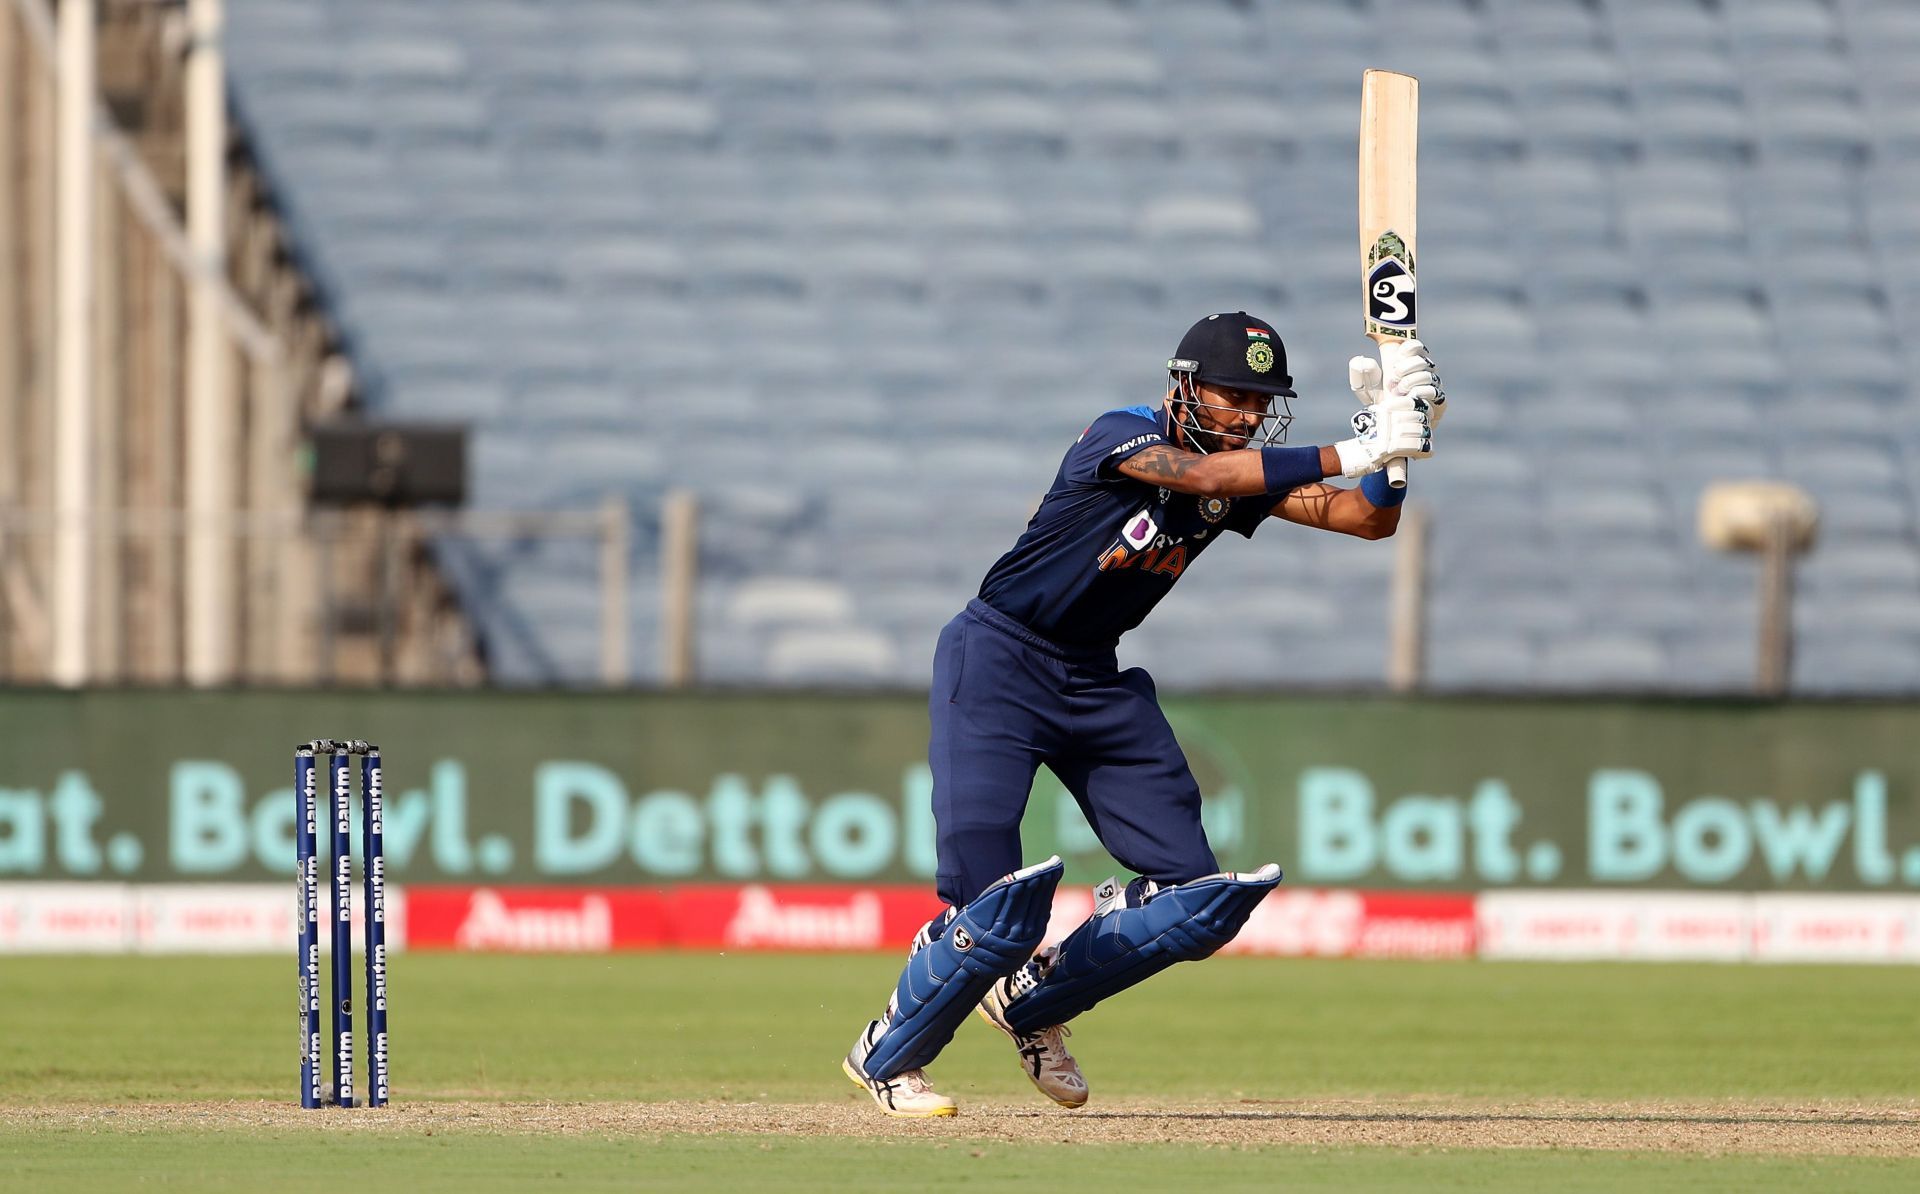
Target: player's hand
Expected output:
[1410,371]
[1395,426]
[1403,368]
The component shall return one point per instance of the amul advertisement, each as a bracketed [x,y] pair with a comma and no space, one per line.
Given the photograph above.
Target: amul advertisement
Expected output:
[1376,794]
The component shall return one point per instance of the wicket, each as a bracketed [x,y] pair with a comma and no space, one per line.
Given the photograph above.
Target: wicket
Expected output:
[339,755]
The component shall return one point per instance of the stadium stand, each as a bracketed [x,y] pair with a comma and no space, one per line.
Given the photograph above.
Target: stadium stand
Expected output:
[856,271]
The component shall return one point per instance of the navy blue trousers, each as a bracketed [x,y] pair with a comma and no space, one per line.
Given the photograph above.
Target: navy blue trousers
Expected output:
[1004,702]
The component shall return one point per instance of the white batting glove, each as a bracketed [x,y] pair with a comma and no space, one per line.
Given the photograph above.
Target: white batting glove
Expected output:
[1363,378]
[1394,426]
[1409,370]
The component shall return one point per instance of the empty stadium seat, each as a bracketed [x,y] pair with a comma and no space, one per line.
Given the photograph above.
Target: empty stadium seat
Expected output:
[943,237]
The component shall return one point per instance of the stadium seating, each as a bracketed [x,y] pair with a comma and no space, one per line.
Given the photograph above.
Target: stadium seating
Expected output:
[857,271]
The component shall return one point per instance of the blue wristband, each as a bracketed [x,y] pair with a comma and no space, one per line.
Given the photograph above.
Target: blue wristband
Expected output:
[1380,492]
[1290,468]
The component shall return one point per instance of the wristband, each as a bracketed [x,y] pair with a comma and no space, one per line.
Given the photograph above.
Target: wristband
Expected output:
[1380,491]
[1290,468]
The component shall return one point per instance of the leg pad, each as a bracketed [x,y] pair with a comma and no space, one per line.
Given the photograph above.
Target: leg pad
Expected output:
[1132,938]
[955,959]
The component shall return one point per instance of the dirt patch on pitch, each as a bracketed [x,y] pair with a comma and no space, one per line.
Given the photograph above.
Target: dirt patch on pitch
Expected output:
[1890,1129]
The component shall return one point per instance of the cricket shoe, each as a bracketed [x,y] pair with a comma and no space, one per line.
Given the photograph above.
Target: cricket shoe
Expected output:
[906,1095]
[1043,1054]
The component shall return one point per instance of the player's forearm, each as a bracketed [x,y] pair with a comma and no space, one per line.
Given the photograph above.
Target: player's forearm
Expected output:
[1373,512]
[1231,474]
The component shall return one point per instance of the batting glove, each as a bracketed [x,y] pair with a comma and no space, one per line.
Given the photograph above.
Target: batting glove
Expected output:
[1394,426]
[1409,370]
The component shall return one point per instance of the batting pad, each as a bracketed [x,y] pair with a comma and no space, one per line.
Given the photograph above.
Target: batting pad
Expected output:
[1121,946]
[958,956]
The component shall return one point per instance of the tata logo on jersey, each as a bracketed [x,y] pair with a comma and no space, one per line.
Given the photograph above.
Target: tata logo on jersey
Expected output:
[1143,546]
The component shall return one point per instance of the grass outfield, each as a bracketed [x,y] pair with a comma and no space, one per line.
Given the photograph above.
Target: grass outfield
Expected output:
[671,1072]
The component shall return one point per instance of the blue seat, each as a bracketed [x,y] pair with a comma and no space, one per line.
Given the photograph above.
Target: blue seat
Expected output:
[1638,24]
[1813,125]
[612,67]
[975,28]
[1201,278]
[1613,662]
[986,276]
[1214,25]
[1304,26]
[649,123]
[1205,216]
[895,125]
[1008,126]
[764,73]
[1837,661]
[1715,662]
[1489,662]
[1084,68]
[1764,28]
[863,23]
[525,215]
[856,271]
[981,67]
[1528,28]
[421,60]
[1861,565]
[1126,126]
[732,22]
[626,265]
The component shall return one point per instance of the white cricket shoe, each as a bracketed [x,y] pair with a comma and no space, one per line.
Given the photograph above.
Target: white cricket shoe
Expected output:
[906,1095]
[1043,1054]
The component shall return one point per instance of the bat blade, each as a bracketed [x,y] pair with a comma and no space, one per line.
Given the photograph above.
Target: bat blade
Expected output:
[1389,151]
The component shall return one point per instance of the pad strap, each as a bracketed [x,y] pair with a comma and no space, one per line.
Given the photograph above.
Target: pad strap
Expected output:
[1129,940]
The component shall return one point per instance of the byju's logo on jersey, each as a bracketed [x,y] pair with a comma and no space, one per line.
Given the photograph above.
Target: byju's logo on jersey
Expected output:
[1139,530]
[1142,546]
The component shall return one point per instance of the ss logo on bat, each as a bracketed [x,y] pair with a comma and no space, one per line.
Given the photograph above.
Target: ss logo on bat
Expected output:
[1390,294]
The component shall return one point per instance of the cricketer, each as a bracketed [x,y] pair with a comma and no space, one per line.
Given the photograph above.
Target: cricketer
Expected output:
[1026,675]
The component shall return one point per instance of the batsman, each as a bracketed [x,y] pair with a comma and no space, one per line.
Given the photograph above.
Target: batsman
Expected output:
[1026,675]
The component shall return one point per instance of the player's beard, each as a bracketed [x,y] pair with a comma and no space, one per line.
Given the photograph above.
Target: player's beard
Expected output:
[1213,440]
[1199,437]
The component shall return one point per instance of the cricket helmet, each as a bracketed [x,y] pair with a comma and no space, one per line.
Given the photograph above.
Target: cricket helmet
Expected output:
[1236,351]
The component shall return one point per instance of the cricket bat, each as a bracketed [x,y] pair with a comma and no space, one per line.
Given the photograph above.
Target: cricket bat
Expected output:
[1389,147]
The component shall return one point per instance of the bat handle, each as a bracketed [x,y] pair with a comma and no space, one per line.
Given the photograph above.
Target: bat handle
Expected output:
[1397,467]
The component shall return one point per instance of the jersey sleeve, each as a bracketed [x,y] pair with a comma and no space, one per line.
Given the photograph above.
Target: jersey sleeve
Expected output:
[1111,440]
[1249,514]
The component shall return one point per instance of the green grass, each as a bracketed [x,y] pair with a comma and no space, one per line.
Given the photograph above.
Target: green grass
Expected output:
[310,1161]
[771,1028]
[755,1026]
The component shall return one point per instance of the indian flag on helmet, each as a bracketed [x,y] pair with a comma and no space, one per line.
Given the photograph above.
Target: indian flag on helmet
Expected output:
[1259,334]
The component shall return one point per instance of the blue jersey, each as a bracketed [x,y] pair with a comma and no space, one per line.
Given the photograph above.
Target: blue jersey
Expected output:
[1103,548]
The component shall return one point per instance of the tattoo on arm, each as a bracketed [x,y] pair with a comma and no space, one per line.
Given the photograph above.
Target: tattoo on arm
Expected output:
[1160,464]
[1342,511]
[1310,505]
